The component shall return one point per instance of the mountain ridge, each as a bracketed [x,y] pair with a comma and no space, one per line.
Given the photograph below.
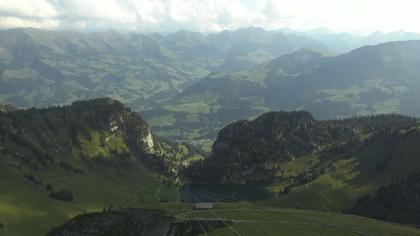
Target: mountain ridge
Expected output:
[369,80]
[55,68]
[286,159]
[283,136]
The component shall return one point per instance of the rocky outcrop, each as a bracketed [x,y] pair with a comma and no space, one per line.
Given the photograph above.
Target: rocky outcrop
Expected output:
[132,222]
[102,130]
[7,108]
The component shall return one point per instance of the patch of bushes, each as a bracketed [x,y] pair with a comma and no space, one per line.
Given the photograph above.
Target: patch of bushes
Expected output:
[49,187]
[396,202]
[70,167]
[287,189]
[31,178]
[62,195]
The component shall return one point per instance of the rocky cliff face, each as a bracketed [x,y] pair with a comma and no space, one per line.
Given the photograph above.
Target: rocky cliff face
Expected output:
[100,129]
[114,117]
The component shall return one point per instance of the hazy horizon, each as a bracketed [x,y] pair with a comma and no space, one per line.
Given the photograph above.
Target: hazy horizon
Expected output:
[321,30]
[355,17]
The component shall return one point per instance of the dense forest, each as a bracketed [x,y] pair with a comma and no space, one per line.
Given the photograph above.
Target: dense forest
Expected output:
[397,202]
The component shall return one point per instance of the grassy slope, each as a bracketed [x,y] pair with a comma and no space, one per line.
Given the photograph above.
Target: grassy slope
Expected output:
[27,210]
[252,220]
[351,177]
[249,219]
[100,171]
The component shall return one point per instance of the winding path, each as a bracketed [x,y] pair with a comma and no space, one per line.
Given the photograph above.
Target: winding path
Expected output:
[156,195]
[136,197]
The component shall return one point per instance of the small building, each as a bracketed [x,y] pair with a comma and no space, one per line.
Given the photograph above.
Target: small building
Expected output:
[203,205]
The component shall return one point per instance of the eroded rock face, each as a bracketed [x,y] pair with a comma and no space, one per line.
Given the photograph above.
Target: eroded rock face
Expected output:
[118,118]
[148,142]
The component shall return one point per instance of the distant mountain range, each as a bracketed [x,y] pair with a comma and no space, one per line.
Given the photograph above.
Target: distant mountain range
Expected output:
[370,80]
[345,42]
[44,68]
[189,85]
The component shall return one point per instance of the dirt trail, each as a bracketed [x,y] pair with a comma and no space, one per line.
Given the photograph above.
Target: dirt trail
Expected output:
[156,195]
[136,197]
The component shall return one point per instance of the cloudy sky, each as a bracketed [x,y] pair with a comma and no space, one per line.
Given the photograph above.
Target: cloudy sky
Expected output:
[211,15]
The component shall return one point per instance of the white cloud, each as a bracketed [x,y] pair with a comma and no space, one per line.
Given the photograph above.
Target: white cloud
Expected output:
[210,15]
[344,15]
[111,10]
[17,22]
[24,8]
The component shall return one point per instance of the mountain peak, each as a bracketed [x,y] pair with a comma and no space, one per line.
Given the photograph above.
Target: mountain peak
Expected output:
[244,150]
[96,129]
[254,29]
[285,115]
[99,103]
[320,30]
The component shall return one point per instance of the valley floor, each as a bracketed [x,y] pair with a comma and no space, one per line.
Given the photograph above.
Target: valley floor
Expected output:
[25,210]
[240,219]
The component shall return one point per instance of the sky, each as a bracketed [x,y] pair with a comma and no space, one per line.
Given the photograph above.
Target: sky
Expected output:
[211,15]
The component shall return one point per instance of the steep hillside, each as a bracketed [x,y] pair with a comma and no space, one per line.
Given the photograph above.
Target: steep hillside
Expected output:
[291,159]
[62,161]
[368,80]
[101,129]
